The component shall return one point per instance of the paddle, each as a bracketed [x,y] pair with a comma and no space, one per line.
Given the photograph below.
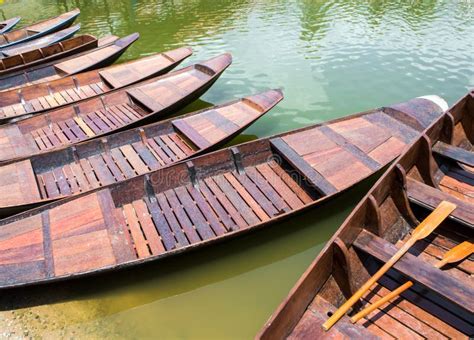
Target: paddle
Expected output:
[456,254]
[425,228]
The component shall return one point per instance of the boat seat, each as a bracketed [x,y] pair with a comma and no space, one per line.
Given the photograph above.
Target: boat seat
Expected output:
[191,133]
[312,176]
[110,79]
[454,153]
[144,100]
[430,197]
[459,292]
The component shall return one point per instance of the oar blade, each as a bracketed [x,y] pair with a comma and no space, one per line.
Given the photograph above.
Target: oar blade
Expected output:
[434,219]
[458,253]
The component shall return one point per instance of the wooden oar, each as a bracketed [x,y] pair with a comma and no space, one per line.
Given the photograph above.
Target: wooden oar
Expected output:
[456,254]
[423,230]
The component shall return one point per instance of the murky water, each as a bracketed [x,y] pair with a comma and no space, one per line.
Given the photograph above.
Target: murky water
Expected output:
[331,58]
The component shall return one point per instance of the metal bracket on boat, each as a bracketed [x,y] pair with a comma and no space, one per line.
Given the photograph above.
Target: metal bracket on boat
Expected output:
[50,90]
[142,136]
[149,191]
[102,100]
[47,117]
[192,173]
[105,145]
[77,111]
[237,157]
[22,98]
[77,87]
[74,154]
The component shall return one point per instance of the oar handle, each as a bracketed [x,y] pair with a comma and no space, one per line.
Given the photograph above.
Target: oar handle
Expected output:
[381,301]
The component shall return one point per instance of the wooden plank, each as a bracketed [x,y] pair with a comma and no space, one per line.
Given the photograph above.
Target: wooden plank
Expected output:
[429,196]
[146,155]
[280,187]
[454,153]
[152,236]
[207,211]
[116,227]
[50,184]
[216,206]
[351,148]
[122,163]
[170,143]
[458,293]
[290,182]
[257,209]
[165,149]
[113,167]
[47,244]
[89,172]
[306,170]
[257,195]
[267,189]
[183,219]
[172,223]
[101,169]
[162,225]
[87,130]
[224,201]
[133,158]
[81,179]
[71,179]
[141,246]
[191,134]
[61,181]
[199,222]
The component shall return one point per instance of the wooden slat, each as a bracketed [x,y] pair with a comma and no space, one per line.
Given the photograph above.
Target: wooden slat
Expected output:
[173,223]
[455,153]
[141,246]
[192,134]
[459,293]
[306,170]
[161,224]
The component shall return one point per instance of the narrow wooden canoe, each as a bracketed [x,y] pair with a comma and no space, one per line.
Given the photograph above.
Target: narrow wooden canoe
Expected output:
[38,29]
[90,60]
[67,172]
[119,110]
[8,24]
[47,40]
[31,100]
[50,53]
[440,305]
[209,198]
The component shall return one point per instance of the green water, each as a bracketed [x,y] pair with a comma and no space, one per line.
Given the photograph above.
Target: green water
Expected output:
[331,58]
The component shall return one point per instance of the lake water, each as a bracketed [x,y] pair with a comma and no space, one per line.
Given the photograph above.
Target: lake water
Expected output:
[331,58]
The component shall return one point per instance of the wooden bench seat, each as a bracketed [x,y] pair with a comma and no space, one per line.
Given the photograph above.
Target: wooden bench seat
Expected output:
[428,196]
[303,167]
[459,293]
[454,153]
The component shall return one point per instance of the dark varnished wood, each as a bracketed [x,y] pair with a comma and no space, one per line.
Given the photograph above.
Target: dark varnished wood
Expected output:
[38,29]
[198,202]
[82,62]
[440,303]
[30,100]
[112,112]
[45,41]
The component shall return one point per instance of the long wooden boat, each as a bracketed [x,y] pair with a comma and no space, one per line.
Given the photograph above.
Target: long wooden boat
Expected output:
[86,61]
[437,167]
[126,154]
[204,200]
[38,29]
[43,55]
[145,102]
[47,40]
[31,100]
[8,24]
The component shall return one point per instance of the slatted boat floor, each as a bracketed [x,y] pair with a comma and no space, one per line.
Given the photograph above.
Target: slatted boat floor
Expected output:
[86,61]
[109,113]
[209,198]
[18,104]
[440,303]
[126,155]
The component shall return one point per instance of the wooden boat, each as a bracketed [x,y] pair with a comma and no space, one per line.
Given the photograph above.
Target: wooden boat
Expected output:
[204,200]
[8,24]
[47,40]
[38,29]
[30,100]
[43,55]
[119,110]
[127,154]
[437,167]
[82,62]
